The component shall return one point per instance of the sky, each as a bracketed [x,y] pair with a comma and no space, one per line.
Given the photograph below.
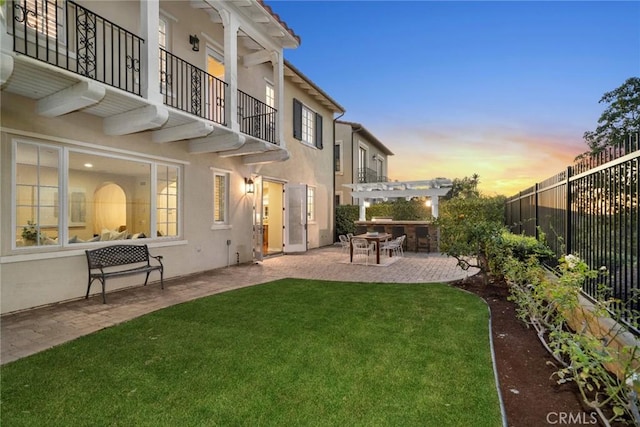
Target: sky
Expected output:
[503,89]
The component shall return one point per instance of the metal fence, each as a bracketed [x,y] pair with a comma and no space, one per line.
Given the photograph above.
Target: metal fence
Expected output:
[591,210]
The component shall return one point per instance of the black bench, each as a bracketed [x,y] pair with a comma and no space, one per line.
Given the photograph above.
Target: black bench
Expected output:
[105,262]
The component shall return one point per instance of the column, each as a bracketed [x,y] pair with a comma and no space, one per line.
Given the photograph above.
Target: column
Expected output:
[150,60]
[278,87]
[231,27]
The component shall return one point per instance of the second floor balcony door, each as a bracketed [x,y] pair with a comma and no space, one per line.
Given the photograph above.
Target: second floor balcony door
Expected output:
[215,91]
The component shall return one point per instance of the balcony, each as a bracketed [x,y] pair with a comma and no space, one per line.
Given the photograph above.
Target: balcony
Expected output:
[368,175]
[70,38]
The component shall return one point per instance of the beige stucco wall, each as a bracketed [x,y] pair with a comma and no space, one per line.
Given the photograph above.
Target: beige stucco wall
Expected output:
[39,275]
[308,165]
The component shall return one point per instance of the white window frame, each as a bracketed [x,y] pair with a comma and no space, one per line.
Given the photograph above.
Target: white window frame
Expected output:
[227,177]
[63,185]
[311,204]
[308,125]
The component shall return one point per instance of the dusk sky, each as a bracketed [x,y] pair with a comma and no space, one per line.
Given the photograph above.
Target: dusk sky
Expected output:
[502,89]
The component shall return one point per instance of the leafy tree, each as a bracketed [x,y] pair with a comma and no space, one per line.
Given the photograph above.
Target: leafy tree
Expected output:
[619,119]
[464,187]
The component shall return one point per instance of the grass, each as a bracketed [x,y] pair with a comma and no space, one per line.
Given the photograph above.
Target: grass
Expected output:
[290,352]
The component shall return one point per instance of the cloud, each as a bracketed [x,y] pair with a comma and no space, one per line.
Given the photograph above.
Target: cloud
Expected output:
[508,159]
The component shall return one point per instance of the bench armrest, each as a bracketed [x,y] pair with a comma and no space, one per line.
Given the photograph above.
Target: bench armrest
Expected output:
[157,257]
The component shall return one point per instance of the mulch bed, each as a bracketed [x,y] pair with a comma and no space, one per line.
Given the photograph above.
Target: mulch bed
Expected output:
[530,394]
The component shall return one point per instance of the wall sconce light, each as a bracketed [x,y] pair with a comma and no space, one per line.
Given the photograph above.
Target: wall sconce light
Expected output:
[248,186]
[195,43]
[375,157]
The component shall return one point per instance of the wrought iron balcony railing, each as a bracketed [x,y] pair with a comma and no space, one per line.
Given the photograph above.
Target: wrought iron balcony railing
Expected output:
[256,118]
[71,37]
[189,88]
[368,175]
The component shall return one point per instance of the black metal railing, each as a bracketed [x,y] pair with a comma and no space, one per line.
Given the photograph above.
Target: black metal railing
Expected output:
[67,35]
[368,175]
[256,118]
[591,209]
[191,89]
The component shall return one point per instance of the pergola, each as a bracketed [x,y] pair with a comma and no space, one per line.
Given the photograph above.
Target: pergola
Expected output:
[432,188]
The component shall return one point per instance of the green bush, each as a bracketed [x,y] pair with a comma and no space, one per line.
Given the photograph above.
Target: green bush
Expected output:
[400,210]
[346,215]
[470,228]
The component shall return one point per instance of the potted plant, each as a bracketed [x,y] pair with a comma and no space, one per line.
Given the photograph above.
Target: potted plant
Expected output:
[30,233]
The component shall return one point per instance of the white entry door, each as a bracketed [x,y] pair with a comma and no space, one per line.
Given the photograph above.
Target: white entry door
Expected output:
[295,213]
[258,235]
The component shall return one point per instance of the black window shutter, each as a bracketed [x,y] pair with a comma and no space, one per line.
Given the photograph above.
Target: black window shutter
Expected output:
[318,131]
[297,119]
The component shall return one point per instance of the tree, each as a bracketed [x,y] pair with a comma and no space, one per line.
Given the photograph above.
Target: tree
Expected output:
[620,119]
[464,187]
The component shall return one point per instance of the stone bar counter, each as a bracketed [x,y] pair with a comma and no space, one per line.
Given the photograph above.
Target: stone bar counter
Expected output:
[427,232]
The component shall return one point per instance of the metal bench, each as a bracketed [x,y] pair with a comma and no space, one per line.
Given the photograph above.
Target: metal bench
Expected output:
[105,262]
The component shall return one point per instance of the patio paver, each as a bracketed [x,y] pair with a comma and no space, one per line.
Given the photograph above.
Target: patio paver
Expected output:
[31,331]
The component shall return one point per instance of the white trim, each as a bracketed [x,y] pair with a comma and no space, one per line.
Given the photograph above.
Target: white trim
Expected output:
[227,197]
[101,148]
[10,259]
[221,227]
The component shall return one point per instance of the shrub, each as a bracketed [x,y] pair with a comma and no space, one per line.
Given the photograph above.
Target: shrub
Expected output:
[470,229]
[346,215]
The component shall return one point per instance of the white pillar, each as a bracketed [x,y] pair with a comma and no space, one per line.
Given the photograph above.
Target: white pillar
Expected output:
[231,27]
[278,83]
[363,210]
[434,206]
[150,60]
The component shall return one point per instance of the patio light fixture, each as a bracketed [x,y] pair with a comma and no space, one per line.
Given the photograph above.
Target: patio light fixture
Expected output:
[248,186]
[195,43]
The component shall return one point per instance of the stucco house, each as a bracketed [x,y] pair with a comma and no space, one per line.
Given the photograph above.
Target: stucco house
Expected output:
[176,124]
[360,158]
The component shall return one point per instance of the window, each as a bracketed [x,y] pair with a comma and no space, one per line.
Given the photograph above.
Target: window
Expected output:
[167,200]
[220,198]
[163,36]
[307,125]
[37,186]
[338,198]
[46,17]
[215,88]
[270,95]
[95,197]
[337,153]
[311,204]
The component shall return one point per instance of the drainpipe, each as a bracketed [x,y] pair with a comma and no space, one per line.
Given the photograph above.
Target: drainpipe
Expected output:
[335,231]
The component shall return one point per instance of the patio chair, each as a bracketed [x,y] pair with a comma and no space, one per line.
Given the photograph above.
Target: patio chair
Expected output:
[344,242]
[361,247]
[349,236]
[394,245]
[397,231]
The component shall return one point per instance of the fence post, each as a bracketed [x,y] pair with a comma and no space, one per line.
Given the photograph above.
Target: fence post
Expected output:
[535,209]
[567,232]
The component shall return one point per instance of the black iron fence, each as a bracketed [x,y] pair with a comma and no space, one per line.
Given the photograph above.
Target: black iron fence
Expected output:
[191,89]
[256,118]
[71,37]
[591,210]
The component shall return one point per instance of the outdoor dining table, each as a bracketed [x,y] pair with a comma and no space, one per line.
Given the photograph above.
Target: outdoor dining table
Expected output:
[377,238]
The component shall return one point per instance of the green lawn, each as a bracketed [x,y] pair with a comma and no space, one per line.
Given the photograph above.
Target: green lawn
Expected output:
[286,353]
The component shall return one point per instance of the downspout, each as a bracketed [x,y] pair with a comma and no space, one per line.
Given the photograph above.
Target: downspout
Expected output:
[335,230]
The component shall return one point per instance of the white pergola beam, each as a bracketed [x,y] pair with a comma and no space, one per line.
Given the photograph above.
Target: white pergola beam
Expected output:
[73,98]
